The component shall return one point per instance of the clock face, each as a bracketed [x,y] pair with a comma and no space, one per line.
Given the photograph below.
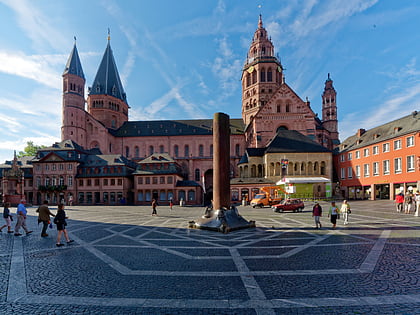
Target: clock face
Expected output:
[251,69]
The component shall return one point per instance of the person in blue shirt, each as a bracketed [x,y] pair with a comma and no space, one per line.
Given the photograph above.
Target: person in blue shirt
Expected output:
[21,219]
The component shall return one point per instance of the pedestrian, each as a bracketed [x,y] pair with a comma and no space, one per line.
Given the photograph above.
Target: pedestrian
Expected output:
[408,202]
[154,204]
[317,214]
[171,204]
[70,200]
[399,200]
[60,221]
[345,211]
[333,214]
[7,218]
[21,219]
[44,217]
[417,199]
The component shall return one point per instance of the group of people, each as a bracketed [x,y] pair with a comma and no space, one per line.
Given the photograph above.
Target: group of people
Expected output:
[333,213]
[44,217]
[406,203]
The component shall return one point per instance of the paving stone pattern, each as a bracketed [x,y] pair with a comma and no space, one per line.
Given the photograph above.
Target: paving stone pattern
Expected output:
[124,261]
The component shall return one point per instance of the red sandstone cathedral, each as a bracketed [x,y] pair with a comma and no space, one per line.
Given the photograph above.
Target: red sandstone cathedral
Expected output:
[105,158]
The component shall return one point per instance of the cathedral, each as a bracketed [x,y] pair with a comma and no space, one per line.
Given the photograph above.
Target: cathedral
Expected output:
[172,159]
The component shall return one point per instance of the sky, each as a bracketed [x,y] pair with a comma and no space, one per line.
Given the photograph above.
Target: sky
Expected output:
[183,59]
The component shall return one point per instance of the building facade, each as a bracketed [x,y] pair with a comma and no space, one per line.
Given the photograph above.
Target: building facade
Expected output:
[381,162]
[98,126]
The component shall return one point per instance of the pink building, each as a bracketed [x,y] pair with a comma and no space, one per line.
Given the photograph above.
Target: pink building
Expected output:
[98,125]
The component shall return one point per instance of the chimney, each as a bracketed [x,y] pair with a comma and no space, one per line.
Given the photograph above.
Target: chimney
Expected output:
[360,132]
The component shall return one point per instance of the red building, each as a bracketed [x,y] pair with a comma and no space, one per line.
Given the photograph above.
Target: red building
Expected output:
[380,162]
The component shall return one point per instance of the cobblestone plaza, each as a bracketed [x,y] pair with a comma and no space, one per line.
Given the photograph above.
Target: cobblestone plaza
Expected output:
[124,261]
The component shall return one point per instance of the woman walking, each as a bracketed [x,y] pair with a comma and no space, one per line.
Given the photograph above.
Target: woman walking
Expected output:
[333,214]
[60,221]
[154,204]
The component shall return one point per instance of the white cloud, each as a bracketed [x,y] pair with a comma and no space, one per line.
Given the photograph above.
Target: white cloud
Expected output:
[36,25]
[38,68]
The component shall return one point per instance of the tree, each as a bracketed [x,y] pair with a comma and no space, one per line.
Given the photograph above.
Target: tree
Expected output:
[30,149]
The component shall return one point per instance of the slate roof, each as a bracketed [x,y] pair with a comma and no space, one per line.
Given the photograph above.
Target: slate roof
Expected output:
[158,163]
[73,65]
[288,141]
[187,183]
[285,141]
[174,128]
[396,128]
[107,80]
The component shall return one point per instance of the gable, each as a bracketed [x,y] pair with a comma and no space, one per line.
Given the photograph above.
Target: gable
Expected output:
[51,157]
[285,96]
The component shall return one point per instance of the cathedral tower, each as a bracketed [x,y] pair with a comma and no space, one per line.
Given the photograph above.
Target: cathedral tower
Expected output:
[73,100]
[107,101]
[261,74]
[329,111]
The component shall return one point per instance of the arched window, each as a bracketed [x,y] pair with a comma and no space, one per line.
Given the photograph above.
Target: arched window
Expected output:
[186,150]
[176,151]
[237,149]
[181,195]
[191,195]
[262,75]
[316,168]
[254,77]
[197,175]
[248,79]
[211,150]
[161,149]
[201,150]
[151,150]
[260,170]
[269,75]
[323,168]
[136,152]
[278,108]
[253,171]
[127,151]
[287,107]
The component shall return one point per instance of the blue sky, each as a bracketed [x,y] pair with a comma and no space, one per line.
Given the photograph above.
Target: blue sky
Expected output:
[183,59]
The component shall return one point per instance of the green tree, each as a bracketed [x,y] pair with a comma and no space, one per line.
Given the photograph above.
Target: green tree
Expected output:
[30,149]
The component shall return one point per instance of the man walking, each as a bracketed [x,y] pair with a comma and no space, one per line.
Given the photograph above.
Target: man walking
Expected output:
[44,217]
[21,218]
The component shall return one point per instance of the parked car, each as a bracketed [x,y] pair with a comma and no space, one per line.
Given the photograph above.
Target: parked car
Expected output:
[290,204]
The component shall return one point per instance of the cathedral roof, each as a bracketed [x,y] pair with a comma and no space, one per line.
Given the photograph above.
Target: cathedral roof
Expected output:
[293,141]
[107,80]
[174,128]
[73,65]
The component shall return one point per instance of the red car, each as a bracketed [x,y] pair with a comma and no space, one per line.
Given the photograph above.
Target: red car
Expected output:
[295,205]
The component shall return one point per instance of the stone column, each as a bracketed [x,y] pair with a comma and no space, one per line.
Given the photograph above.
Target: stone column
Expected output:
[221,161]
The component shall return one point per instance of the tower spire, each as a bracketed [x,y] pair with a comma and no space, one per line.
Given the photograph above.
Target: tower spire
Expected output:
[260,23]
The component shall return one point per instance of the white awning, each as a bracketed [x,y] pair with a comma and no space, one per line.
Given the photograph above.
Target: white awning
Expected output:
[303,180]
